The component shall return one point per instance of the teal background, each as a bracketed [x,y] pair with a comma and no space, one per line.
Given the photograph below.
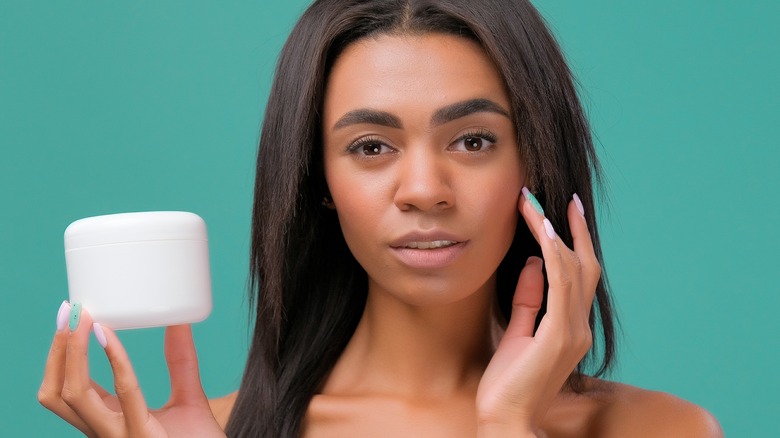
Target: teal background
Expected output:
[108,107]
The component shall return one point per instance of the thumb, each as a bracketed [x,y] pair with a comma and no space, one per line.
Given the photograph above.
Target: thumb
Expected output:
[527,300]
[183,366]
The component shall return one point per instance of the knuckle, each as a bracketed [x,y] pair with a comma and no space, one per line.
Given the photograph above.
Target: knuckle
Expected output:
[71,394]
[585,340]
[123,389]
[564,280]
[47,398]
[595,268]
[560,278]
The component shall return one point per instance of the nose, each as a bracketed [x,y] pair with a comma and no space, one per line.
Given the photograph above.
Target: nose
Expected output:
[423,182]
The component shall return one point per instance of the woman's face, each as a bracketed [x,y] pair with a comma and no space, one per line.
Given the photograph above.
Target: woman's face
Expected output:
[422,164]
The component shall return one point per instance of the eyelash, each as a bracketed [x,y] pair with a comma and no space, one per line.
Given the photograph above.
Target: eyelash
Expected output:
[479,133]
[355,147]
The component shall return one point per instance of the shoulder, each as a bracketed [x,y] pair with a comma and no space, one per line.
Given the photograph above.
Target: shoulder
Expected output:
[222,406]
[630,411]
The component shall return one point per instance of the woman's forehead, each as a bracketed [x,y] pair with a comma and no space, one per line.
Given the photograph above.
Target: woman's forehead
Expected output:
[419,73]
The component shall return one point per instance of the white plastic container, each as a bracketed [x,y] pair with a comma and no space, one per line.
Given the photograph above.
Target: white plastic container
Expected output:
[135,270]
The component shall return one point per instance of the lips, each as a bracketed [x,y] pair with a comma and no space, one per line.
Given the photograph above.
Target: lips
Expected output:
[428,250]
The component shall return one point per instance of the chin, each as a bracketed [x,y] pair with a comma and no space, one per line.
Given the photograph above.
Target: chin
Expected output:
[422,291]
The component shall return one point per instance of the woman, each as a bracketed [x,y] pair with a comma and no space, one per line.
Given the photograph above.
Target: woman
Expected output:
[408,282]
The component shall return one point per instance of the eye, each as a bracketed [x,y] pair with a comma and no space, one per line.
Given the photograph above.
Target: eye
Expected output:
[369,147]
[477,141]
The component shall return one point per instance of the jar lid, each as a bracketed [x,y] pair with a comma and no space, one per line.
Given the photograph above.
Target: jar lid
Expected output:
[134,227]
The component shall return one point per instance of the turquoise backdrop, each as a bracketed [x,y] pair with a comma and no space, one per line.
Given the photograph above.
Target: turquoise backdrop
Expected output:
[130,106]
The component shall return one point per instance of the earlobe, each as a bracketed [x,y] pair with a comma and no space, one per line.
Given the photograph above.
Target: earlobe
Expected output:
[328,203]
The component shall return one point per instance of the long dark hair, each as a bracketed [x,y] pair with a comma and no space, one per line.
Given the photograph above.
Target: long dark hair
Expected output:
[310,291]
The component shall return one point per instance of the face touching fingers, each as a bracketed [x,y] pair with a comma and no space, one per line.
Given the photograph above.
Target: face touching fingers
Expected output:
[553,252]
[583,247]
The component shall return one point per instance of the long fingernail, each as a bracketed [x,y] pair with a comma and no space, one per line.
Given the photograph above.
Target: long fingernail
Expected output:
[532,199]
[99,334]
[549,229]
[62,315]
[75,315]
[578,203]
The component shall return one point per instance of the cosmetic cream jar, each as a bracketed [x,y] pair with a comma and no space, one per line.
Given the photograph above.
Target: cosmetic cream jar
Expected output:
[135,270]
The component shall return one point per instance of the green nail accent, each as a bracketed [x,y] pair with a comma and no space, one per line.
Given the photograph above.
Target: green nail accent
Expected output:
[530,196]
[75,315]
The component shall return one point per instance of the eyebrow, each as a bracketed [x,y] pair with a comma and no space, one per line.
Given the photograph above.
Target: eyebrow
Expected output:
[368,116]
[465,108]
[441,116]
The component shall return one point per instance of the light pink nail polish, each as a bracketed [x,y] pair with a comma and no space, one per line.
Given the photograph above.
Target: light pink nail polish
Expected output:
[63,315]
[579,205]
[549,229]
[99,335]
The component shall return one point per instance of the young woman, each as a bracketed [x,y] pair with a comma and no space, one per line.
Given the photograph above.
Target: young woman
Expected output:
[424,249]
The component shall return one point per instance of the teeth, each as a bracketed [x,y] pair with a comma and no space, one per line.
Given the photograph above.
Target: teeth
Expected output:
[430,245]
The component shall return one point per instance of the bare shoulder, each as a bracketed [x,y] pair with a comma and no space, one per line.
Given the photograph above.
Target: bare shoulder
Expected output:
[630,411]
[222,406]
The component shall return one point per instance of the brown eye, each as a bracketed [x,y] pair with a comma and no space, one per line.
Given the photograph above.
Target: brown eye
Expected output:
[473,143]
[372,149]
[369,148]
[479,141]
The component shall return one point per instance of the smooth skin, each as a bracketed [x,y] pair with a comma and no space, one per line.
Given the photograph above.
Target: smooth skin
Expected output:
[406,163]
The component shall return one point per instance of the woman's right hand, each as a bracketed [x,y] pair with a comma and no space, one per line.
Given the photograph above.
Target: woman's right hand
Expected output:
[68,391]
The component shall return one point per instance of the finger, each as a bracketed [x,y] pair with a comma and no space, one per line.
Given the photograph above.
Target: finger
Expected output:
[183,366]
[50,392]
[527,299]
[583,248]
[54,372]
[77,390]
[558,277]
[128,391]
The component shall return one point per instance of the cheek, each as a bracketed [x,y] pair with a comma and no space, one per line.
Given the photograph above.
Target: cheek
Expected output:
[358,207]
[501,216]
[495,210]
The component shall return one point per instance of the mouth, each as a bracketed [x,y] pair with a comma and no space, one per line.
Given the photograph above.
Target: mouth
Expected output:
[435,244]
[428,250]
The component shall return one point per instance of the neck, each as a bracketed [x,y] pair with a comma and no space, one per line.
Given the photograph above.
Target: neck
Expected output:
[418,351]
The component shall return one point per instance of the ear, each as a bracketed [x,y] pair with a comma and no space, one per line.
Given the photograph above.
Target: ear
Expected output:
[328,203]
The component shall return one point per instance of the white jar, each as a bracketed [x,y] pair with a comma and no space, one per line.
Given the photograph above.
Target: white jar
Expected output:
[135,270]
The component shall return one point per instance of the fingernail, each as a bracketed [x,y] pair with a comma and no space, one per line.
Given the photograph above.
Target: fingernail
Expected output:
[99,335]
[532,199]
[578,203]
[62,315]
[549,229]
[75,314]
[534,260]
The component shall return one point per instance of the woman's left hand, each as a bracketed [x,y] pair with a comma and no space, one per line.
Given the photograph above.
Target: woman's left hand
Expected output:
[529,369]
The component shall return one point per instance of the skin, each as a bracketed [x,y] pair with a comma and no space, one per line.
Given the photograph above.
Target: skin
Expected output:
[429,357]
